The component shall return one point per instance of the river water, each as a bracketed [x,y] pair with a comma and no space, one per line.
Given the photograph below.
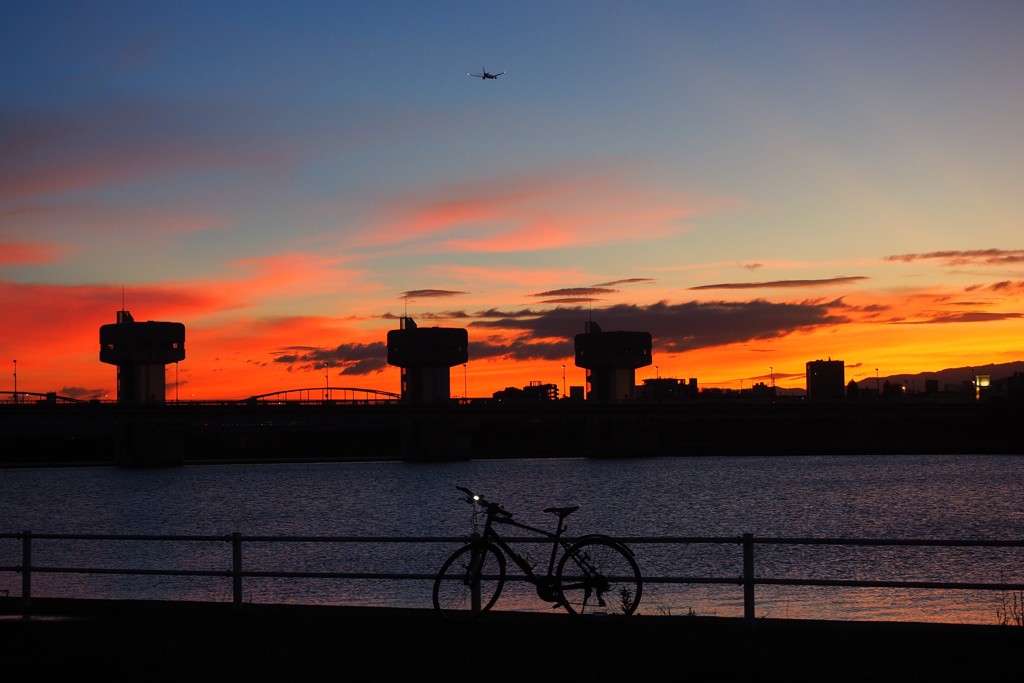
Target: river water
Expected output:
[951,497]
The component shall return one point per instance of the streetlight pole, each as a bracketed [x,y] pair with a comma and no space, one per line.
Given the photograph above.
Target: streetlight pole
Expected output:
[465,384]
[563,380]
[771,372]
[878,387]
[15,380]
[327,381]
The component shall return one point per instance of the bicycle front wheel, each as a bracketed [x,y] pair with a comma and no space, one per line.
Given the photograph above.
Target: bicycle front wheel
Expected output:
[469,582]
[599,576]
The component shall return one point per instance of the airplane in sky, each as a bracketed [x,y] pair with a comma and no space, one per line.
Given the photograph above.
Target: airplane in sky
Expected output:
[485,74]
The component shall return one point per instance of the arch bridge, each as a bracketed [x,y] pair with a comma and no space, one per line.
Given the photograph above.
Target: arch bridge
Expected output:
[321,395]
[35,397]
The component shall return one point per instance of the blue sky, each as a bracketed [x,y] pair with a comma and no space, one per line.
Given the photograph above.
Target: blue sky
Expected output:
[762,184]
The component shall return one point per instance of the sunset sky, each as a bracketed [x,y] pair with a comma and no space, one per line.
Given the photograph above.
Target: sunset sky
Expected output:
[756,184]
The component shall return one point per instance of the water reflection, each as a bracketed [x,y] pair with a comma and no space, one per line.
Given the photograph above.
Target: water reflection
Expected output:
[953,497]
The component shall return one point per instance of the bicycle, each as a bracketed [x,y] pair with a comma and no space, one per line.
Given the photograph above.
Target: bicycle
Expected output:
[595,574]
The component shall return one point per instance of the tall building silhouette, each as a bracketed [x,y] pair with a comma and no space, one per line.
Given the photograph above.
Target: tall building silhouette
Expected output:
[826,379]
[141,351]
[611,360]
[426,356]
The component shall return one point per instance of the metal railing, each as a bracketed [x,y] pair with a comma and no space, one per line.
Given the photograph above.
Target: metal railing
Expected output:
[748,580]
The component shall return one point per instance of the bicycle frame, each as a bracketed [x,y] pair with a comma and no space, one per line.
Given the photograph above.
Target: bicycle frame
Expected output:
[491,535]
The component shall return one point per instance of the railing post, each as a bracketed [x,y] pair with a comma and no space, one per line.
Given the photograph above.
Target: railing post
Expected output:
[26,572]
[236,568]
[748,579]
[476,562]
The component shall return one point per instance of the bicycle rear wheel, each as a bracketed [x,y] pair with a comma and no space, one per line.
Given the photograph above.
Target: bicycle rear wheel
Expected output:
[464,589]
[598,576]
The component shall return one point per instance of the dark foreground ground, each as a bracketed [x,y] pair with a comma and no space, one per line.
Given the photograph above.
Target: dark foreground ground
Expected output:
[196,642]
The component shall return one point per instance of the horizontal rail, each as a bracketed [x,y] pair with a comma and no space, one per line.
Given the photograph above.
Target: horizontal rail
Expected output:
[748,580]
[629,540]
[246,538]
[796,540]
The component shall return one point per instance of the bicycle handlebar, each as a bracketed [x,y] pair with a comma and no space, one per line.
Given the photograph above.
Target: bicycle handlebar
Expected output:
[492,508]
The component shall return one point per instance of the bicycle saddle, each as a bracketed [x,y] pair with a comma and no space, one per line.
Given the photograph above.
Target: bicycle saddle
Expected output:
[563,512]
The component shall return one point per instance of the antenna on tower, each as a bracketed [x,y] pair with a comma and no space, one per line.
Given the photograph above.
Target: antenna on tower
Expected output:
[123,316]
[405,322]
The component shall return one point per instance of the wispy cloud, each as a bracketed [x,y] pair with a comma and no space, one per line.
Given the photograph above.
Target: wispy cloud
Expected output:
[429,293]
[429,315]
[964,317]
[992,257]
[570,300]
[546,210]
[12,253]
[571,295]
[575,292]
[249,281]
[1006,286]
[626,281]
[775,284]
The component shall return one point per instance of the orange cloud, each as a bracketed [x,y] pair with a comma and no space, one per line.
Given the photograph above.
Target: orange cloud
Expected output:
[541,212]
[244,335]
[12,253]
[55,329]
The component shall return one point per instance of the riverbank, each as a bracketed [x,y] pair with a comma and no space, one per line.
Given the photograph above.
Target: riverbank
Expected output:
[174,434]
[203,641]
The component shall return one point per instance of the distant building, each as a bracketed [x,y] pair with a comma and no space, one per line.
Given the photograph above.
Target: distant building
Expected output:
[762,390]
[982,383]
[667,389]
[892,390]
[536,392]
[611,360]
[1014,385]
[853,390]
[426,356]
[141,351]
[826,380]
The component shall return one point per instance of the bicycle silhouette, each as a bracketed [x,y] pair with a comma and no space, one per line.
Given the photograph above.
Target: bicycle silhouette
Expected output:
[594,575]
